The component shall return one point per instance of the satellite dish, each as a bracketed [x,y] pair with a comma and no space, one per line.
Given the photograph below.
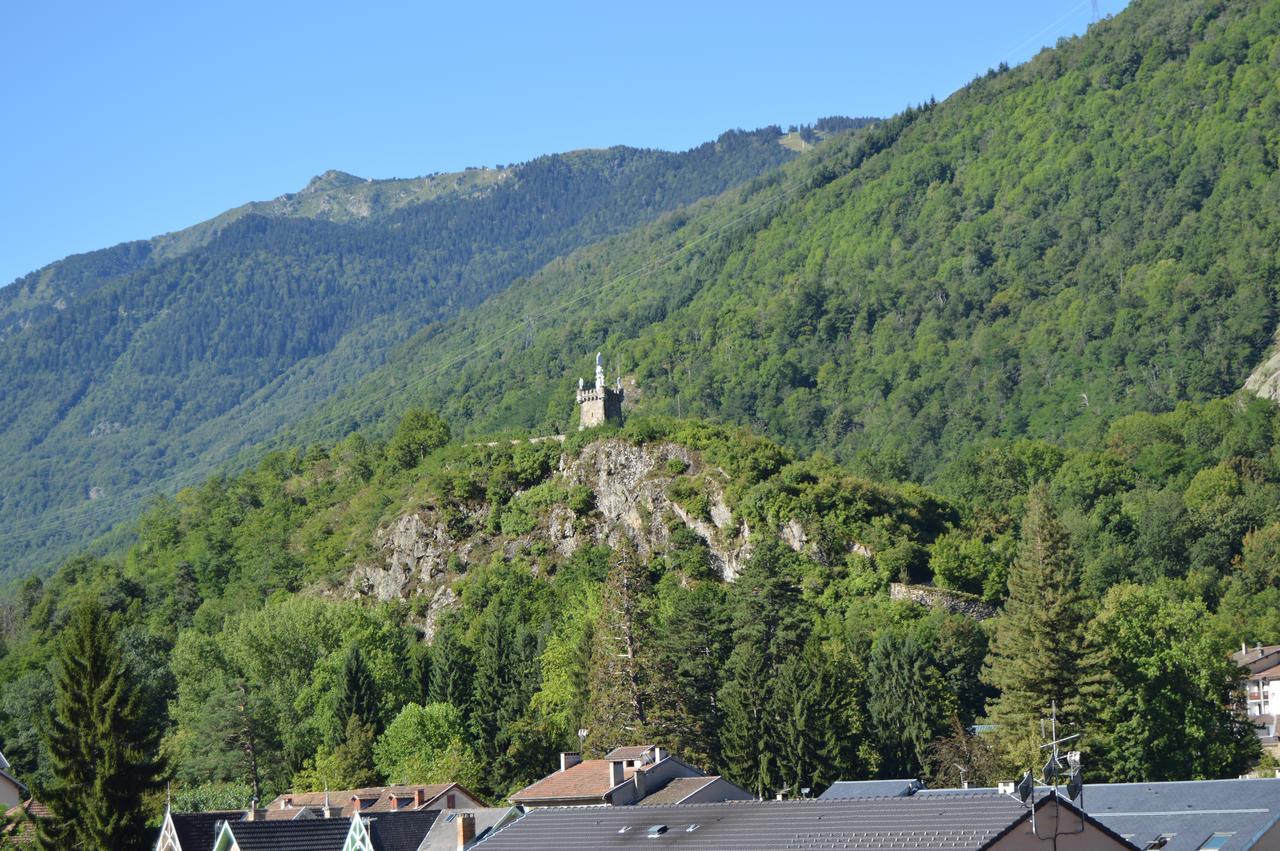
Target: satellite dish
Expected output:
[1075,785]
[1050,770]
[1025,787]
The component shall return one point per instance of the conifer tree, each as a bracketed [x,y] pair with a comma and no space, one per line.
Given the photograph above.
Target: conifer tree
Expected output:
[906,701]
[1037,654]
[357,694]
[103,749]
[353,758]
[798,716]
[618,677]
[489,686]
[451,669]
[746,752]
[689,650]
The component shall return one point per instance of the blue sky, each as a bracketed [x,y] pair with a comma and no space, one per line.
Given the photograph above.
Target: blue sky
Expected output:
[125,120]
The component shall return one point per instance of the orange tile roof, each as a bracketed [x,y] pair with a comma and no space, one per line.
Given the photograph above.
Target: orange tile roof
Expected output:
[589,779]
[374,799]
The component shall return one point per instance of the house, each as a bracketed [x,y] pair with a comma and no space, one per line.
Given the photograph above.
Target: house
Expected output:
[456,830]
[379,799]
[696,790]
[843,790]
[624,776]
[425,830]
[12,792]
[1226,815]
[401,830]
[1262,689]
[313,834]
[976,821]
[20,829]
[192,831]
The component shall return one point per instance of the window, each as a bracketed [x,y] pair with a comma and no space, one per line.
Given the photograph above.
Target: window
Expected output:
[1216,841]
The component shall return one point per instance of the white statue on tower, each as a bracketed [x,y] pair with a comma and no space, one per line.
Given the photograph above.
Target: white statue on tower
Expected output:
[599,373]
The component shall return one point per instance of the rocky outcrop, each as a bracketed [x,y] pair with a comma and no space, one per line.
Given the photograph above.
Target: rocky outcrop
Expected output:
[419,557]
[1264,381]
[631,485]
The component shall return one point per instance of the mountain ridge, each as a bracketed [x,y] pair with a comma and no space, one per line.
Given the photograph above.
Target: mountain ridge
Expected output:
[1053,246]
[146,372]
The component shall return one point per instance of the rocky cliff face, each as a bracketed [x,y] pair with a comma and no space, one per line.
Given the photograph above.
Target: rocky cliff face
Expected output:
[1264,381]
[630,486]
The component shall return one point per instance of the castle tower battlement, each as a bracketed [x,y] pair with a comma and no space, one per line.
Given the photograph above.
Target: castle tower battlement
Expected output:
[599,404]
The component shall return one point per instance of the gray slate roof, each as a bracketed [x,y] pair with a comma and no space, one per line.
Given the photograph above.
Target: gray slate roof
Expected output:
[676,791]
[868,823]
[1191,810]
[444,834]
[844,789]
[321,834]
[197,831]
[400,831]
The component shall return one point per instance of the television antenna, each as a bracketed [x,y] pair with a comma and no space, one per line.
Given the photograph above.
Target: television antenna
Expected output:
[1060,769]
[1095,11]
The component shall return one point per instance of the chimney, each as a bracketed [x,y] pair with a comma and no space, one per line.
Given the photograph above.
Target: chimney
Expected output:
[568,760]
[419,797]
[466,829]
[617,772]
[285,803]
[395,803]
[355,803]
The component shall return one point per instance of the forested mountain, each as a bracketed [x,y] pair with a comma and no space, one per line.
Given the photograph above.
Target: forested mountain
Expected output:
[472,599]
[125,368]
[1091,234]
[1039,297]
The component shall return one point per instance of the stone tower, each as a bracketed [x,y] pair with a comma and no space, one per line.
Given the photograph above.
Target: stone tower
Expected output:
[599,404]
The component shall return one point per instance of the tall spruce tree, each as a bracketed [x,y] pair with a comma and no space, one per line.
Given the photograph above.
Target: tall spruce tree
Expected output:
[1037,655]
[907,703]
[798,714]
[489,686]
[357,694]
[690,647]
[451,668]
[619,676]
[103,749]
[747,756]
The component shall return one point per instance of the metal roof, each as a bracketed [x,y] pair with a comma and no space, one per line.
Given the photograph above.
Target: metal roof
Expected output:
[970,822]
[845,789]
[197,831]
[1191,811]
[400,831]
[321,834]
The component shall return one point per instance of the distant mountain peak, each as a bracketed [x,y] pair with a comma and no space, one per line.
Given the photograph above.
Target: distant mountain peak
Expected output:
[332,179]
